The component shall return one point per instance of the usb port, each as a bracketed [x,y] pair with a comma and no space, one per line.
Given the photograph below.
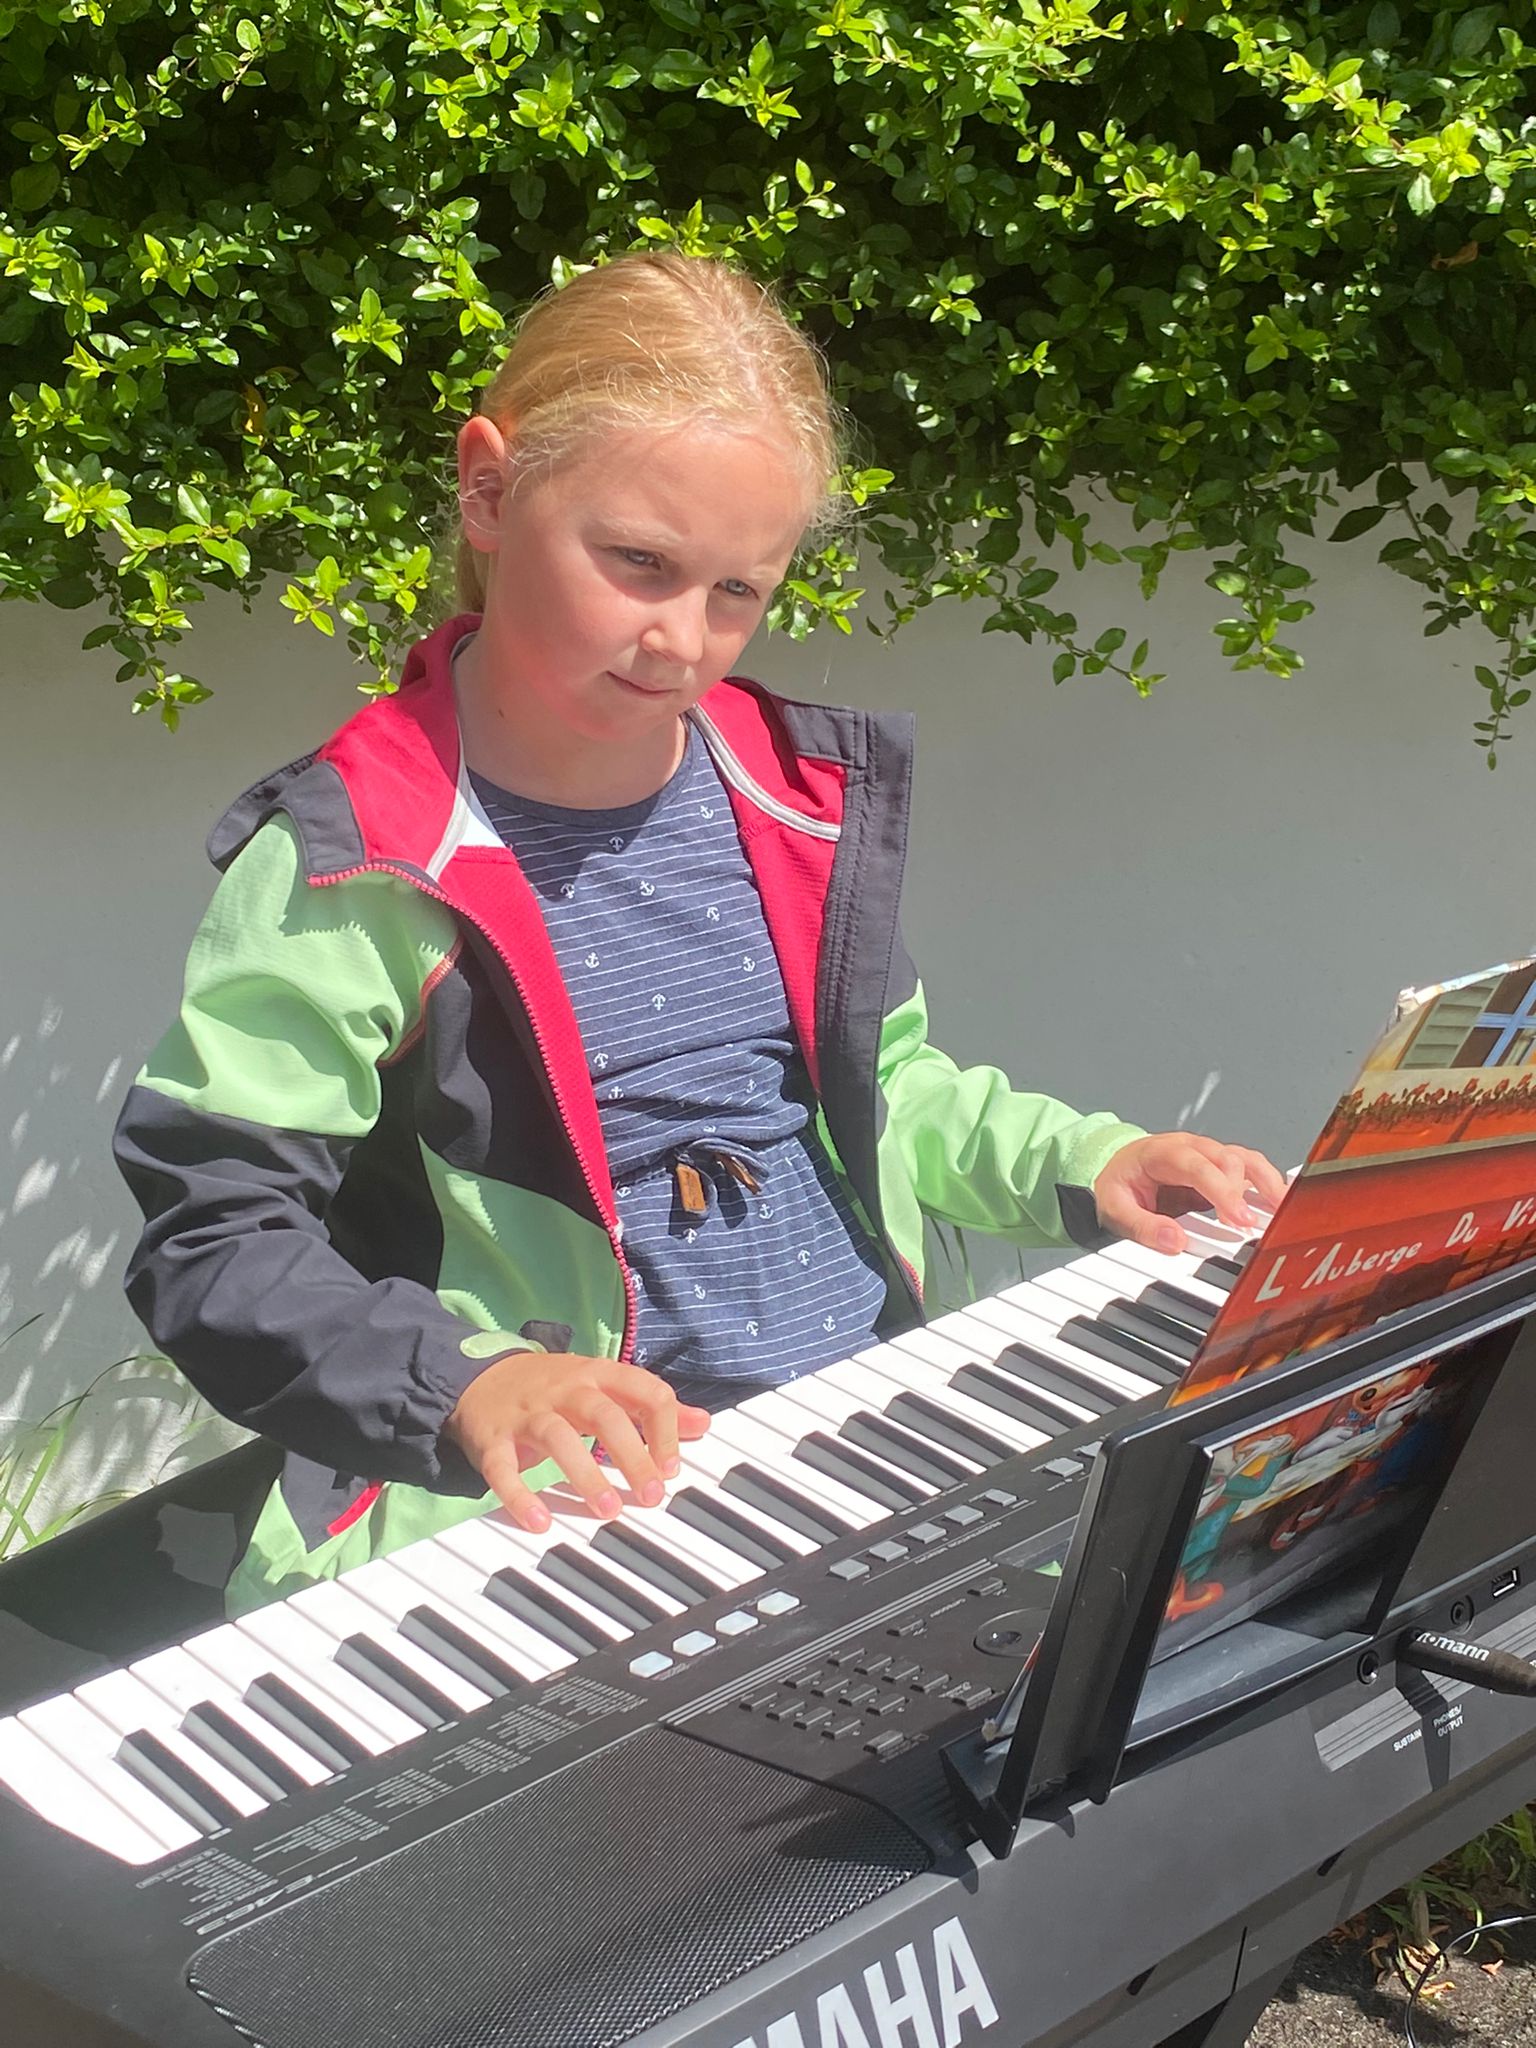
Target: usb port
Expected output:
[1506,1582]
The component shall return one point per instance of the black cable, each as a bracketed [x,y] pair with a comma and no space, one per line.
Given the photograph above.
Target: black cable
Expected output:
[1438,1957]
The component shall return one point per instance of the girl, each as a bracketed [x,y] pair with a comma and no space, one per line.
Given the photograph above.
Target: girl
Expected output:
[549,1067]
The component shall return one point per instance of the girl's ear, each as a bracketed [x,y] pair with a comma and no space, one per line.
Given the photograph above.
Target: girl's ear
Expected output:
[484,473]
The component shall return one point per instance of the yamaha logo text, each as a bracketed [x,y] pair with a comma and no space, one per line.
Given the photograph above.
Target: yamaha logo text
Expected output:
[934,2000]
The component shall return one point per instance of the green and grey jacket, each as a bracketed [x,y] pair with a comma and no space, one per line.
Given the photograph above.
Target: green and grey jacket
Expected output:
[368,1151]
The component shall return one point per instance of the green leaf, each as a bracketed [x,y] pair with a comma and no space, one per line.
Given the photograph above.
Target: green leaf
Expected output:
[1358,521]
[1460,462]
[1064,666]
[33,186]
[1421,194]
[1382,25]
[1472,31]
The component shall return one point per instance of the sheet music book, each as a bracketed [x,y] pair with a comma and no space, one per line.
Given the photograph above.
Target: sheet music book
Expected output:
[1422,1180]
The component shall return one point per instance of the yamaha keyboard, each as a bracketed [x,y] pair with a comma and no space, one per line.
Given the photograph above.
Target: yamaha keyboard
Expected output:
[675,1779]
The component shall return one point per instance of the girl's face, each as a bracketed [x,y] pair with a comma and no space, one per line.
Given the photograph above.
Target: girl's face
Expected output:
[626,582]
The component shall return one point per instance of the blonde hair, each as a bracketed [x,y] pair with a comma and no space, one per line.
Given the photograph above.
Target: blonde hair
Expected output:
[657,339]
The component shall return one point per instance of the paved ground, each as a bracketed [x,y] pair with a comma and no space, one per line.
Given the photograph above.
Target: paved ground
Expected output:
[1335,1999]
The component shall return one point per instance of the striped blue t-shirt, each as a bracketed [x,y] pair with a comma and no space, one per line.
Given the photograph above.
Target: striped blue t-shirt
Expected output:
[659,931]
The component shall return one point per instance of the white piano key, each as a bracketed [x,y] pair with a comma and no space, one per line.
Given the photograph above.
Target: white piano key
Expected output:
[482,1545]
[301,1648]
[1030,1327]
[232,1653]
[446,1578]
[183,1684]
[952,1347]
[695,1476]
[84,1742]
[826,1406]
[340,1607]
[768,1447]
[57,1792]
[132,1708]
[387,1586]
[904,1371]
[524,1550]
[1181,1269]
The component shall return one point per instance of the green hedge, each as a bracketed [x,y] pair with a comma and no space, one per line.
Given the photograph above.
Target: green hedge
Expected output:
[1215,261]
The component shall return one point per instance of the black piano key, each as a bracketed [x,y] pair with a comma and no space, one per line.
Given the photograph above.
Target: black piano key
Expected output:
[1053,1376]
[872,1432]
[933,1422]
[749,1541]
[1221,1272]
[145,1757]
[1180,1303]
[1008,1397]
[544,1612]
[304,1723]
[223,1738]
[461,1652]
[1134,1353]
[648,1560]
[395,1681]
[771,1496]
[1143,1319]
[856,1469]
[584,1575]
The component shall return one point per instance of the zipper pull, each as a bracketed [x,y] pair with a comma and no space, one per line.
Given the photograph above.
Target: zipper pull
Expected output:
[691,1191]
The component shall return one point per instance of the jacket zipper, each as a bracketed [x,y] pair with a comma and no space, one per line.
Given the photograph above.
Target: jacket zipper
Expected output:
[631,1309]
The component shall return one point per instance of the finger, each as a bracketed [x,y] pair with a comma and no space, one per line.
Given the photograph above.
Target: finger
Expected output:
[1220,1177]
[691,1422]
[605,1419]
[651,1404]
[1119,1210]
[559,1440]
[501,1469]
[1265,1178]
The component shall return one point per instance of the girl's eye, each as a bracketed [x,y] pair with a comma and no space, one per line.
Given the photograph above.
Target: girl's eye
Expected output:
[639,558]
[734,587]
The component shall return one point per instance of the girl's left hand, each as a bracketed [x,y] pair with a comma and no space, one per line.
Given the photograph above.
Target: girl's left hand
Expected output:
[1154,1179]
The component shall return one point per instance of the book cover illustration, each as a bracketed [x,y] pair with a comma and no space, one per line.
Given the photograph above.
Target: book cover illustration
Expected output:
[1283,1505]
[1422,1180]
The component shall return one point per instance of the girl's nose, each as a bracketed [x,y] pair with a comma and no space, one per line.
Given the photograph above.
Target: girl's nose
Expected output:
[679,628]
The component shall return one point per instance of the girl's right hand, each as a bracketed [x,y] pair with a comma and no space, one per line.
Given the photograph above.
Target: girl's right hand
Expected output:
[534,1405]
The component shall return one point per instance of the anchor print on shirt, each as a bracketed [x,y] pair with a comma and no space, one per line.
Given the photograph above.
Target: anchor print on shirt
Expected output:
[647,888]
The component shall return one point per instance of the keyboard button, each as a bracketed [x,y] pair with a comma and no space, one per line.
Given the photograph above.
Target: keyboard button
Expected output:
[848,1568]
[888,1552]
[652,1663]
[964,1515]
[776,1603]
[924,1532]
[735,1623]
[694,1643]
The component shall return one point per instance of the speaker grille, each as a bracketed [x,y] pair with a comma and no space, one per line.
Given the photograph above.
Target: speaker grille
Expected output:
[571,1915]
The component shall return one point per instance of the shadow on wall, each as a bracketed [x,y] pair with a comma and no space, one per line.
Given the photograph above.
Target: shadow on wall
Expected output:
[79,1426]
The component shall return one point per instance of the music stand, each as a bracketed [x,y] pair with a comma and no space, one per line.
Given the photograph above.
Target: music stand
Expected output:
[1085,1698]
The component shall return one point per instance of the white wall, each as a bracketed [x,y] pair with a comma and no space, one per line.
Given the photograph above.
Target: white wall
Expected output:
[1196,908]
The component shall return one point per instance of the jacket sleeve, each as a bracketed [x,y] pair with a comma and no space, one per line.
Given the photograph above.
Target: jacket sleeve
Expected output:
[980,1154]
[234,1140]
